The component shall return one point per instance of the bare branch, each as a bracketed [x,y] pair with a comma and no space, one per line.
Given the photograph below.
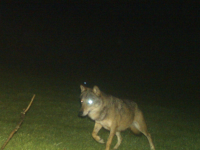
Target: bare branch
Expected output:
[19,124]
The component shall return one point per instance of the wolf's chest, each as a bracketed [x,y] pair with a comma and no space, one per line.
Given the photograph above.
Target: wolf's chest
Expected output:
[106,124]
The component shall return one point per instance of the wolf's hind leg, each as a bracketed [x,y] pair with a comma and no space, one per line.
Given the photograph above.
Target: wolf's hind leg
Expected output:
[97,127]
[140,125]
[119,140]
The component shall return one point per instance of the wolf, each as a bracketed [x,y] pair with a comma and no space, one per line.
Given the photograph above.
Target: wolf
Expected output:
[113,114]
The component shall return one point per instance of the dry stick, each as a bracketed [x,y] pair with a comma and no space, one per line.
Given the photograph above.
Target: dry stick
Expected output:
[19,124]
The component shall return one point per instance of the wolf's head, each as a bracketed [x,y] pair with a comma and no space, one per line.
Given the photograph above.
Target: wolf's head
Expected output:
[90,100]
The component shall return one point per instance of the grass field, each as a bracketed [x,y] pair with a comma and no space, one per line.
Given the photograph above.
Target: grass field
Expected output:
[52,123]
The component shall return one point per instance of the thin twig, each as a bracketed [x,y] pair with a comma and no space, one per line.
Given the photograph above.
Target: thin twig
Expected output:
[19,124]
[29,104]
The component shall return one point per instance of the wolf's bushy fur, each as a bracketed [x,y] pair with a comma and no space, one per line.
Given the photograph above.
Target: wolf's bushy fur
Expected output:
[113,114]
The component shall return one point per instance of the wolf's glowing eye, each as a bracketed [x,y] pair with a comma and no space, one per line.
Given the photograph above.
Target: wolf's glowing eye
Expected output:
[90,101]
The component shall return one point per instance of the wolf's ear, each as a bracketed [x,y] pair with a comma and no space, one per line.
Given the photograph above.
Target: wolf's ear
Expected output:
[83,88]
[96,90]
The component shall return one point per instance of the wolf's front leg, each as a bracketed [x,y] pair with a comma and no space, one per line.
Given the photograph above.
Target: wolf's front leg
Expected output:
[97,127]
[110,138]
[119,140]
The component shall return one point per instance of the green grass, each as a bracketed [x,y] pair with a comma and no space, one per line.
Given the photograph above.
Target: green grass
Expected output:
[52,123]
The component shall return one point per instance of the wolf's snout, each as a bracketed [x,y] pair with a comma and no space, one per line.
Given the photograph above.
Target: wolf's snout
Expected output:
[80,114]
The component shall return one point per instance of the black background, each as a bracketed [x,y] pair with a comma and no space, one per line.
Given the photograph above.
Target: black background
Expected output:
[131,45]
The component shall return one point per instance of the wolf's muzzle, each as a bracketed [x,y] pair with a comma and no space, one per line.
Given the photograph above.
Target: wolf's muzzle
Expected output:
[80,114]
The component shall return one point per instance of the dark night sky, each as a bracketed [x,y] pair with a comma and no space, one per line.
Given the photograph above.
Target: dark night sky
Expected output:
[122,40]
[130,32]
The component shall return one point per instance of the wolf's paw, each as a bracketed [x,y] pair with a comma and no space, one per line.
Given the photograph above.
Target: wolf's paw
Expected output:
[116,146]
[101,141]
[152,148]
